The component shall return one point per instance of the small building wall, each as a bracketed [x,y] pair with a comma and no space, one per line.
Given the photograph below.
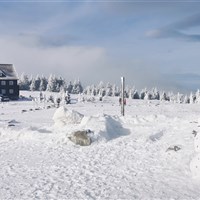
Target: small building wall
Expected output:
[9,88]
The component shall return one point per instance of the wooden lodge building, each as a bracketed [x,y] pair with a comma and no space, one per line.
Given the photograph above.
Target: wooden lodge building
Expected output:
[8,81]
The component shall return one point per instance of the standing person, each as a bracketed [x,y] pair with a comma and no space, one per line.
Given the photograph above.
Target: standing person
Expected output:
[58,102]
[120,101]
[124,101]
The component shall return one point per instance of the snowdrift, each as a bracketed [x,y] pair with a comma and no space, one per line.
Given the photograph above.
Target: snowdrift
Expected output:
[63,116]
[100,127]
[104,127]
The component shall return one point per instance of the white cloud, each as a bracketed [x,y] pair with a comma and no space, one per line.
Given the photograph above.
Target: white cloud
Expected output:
[67,61]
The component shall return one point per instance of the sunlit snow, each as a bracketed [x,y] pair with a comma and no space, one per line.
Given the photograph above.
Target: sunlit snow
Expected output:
[150,153]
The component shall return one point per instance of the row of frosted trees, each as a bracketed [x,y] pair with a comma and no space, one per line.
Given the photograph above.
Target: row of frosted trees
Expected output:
[58,84]
[51,84]
[132,93]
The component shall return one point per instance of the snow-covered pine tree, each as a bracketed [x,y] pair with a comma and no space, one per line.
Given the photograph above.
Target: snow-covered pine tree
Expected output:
[142,93]
[171,97]
[192,98]
[33,85]
[87,90]
[59,83]
[108,89]
[179,98]
[136,95]
[163,96]
[77,87]
[101,89]
[69,87]
[51,86]
[43,84]
[93,90]
[197,94]
[115,91]
[155,94]
[147,96]
[37,82]
[186,99]
[57,88]
[131,92]
[24,83]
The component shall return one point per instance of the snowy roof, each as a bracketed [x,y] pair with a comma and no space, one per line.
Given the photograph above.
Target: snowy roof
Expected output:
[7,71]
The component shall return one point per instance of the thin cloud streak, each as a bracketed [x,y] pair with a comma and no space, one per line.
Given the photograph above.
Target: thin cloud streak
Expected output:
[175,30]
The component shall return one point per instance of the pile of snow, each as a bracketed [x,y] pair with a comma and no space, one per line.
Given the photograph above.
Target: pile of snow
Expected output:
[98,128]
[195,163]
[104,127]
[63,116]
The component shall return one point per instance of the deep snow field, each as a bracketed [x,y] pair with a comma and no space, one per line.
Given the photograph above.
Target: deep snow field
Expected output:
[131,157]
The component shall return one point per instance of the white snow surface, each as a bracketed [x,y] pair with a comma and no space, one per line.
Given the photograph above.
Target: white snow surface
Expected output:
[129,157]
[195,163]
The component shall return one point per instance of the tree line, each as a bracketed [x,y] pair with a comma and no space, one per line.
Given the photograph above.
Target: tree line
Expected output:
[58,84]
[131,92]
[51,84]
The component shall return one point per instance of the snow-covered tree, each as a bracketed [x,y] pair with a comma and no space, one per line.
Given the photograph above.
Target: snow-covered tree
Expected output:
[179,98]
[155,94]
[108,89]
[43,84]
[69,87]
[136,95]
[197,95]
[51,86]
[192,98]
[101,89]
[131,92]
[142,93]
[37,82]
[163,96]
[87,90]
[33,85]
[93,90]
[147,96]
[186,99]
[77,87]
[24,83]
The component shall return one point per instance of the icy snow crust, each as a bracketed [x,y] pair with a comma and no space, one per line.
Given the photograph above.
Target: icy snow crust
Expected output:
[128,159]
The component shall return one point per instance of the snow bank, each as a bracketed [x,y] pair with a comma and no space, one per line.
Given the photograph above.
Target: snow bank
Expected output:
[104,127]
[63,116]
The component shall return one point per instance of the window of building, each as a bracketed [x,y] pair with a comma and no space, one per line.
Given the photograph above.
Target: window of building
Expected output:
[3,82]
[3,91]
[11,83]
[11,91]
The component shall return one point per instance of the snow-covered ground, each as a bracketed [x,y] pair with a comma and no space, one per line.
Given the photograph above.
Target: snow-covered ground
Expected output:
[131,157]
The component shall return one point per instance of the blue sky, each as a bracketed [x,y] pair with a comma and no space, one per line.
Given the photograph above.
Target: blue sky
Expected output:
[151,43]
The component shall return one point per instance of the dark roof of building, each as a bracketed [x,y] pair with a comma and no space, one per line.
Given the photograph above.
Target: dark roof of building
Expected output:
[7,71]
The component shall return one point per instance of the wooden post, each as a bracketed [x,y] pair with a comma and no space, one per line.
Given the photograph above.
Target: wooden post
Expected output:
[122,93]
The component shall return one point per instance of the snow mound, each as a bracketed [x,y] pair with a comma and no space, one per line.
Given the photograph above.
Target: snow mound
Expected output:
[104,127]
[63,116]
